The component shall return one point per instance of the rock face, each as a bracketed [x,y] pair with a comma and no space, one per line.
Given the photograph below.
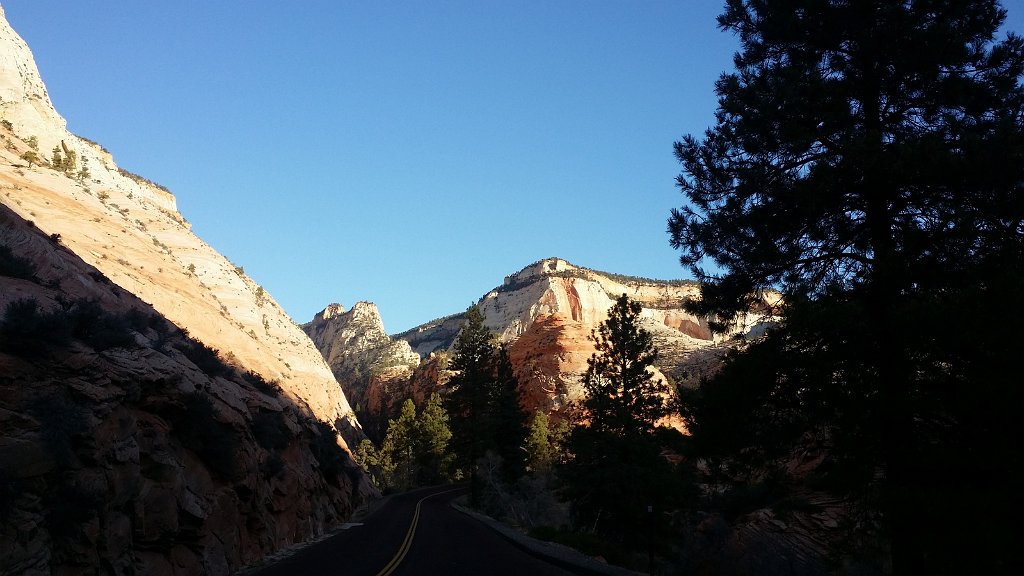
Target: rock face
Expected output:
[25,103]
[128,228]
[127,447]
[361,354]
[547,313]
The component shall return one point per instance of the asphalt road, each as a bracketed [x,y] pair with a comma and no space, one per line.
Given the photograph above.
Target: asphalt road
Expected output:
[417,533]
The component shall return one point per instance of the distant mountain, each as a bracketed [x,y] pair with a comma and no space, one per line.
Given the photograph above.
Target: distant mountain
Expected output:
[546,312]
[127,443]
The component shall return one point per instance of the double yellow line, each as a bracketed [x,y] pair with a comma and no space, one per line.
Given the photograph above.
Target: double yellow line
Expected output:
[407,543]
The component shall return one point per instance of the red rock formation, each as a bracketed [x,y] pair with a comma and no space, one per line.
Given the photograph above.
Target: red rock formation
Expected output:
[549,360]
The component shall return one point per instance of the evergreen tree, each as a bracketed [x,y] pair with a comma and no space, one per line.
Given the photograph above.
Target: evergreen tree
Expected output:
[398,451]
[622,396]
[868,160]
[31,157]
[433,435]
[615,470]
[539,448]
[508,417]
[469,392]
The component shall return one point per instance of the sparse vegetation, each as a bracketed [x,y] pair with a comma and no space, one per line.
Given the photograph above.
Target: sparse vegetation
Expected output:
[15,266]
[140,180]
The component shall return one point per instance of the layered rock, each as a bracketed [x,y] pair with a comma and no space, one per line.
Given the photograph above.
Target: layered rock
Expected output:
[128,448]
[547,312]
[361,354]
[128,228]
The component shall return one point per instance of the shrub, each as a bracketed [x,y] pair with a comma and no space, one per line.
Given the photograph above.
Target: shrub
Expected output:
[205,358]
[271,388]
[61,421]
[28,331]
[324,446]
[15,266]
[98,328]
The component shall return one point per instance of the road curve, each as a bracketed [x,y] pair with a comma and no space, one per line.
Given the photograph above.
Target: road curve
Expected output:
[416,533]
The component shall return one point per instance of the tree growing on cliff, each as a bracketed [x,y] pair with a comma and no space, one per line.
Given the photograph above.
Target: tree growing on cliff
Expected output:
[868,160]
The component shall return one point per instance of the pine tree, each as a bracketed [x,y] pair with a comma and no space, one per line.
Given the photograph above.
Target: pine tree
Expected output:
[868,160]
[433,435]
[539,448]
[615,469]
[469,391]
[622,395]
[398,451]
[508,418]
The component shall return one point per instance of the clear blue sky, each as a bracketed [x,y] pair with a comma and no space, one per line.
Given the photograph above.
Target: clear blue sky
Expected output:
[406,153]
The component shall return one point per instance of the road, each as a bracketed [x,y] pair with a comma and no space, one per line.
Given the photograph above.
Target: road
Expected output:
[417,533]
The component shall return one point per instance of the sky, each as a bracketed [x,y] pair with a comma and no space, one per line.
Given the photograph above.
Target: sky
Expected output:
[410,154]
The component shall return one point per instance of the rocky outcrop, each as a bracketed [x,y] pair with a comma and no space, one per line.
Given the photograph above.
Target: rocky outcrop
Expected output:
[547,312]
[128,229]
[362,355]
[25,103]
[127,447]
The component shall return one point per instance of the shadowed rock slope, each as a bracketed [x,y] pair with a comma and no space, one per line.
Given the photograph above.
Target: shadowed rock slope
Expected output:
[127,447]
[129,229]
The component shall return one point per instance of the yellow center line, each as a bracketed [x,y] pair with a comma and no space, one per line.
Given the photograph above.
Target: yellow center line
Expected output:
[407,543]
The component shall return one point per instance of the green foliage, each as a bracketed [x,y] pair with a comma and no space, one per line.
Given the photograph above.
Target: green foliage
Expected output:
[398,451]
[616,470]
[33,143]
[324,444]
[415,448]
[271,388]
[868,160]
[204,357]
[621,394]
[15,266]
[432,437]
[141,180]
[28,331]
[540,448]
[483,401]
[468,398]
[508,419]
[31,157]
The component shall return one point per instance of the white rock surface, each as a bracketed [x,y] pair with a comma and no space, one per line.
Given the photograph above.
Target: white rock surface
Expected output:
[130,230]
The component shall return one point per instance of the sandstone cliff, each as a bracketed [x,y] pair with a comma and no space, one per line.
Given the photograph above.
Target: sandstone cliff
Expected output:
[362,355]
[546,312]
[169,458]
[127,447]
[128,228]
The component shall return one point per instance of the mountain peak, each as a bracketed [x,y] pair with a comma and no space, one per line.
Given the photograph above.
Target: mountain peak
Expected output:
[26,105]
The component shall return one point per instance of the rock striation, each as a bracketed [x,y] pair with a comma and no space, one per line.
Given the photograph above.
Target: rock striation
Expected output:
[547,312]
[361,354]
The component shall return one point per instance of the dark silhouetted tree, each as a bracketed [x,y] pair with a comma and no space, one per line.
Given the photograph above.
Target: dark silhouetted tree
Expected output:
[615,469]
[868,161]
